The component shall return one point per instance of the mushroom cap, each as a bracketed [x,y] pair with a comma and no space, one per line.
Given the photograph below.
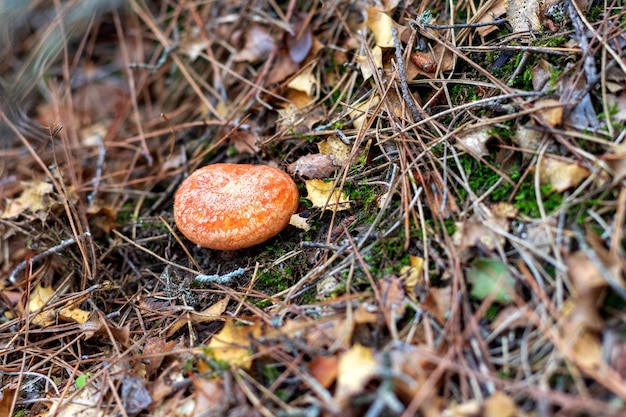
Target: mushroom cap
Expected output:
[234,206]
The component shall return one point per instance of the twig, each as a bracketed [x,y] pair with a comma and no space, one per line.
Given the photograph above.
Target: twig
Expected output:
[402,75]
[39,256]
[98,177]
[416,25]
[220,279]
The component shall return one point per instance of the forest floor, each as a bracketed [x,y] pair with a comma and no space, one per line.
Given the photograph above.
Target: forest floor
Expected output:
[458,249]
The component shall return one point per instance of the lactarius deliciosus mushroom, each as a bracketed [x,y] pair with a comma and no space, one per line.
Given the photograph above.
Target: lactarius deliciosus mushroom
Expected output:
[234,206]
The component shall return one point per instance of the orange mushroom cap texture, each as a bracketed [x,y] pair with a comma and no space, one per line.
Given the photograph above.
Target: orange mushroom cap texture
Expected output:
[234,206]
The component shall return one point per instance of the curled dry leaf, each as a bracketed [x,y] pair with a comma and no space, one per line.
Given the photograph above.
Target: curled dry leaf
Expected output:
[561,174]
[313,166]
[370,66]
[300,222]
[305,81]
[523,15]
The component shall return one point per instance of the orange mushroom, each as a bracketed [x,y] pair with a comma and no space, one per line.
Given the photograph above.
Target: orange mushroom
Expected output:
[234,206]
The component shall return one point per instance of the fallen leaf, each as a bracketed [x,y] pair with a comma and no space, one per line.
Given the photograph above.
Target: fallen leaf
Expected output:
[305,81]
[336,149]
[370,66]
[561,175]
[412,274]
[438,302]
[300,222]
[490,277]
[523,15]
[8,394]
[477,230]
[495,12]
[500,405]
[244,142]
[393,295]
[360,112]
[324,195]
[299,44]
[324,369]
[356,367]
[313,166]
[475,142]
[212,313]
[34,199]
[232,343]
[380,24]
[259,43]
[551,111]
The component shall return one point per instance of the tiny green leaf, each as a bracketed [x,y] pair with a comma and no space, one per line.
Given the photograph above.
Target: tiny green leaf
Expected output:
[81,380]
[490,275]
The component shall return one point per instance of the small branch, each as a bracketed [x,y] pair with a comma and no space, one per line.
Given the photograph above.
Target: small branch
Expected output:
[220,279]
[402,75]
[39,256]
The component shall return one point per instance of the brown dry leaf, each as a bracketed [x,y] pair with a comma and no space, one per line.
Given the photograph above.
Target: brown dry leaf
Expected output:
[393,295]
[356,367]
[510,317]
[212,313]
[500,405]
[477,230]
[232,344]
[495,12]
[283,67]
[380,24]
[244,142]
[438,302]
[336,149]
[210,397]
[34,199]
[154,352]
[561,175]
[96,325]
[475,142]
[616,159]
[313,166]
[551,110]
[324,369]
[523,15]
[324,195]
[259,43]
[6,401]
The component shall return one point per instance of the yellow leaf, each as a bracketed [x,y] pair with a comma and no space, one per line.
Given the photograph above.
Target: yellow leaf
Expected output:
[72,313]
[380,24]
[551,111]
[325,195]
[336,149]
[39,297]
[499,405]
[232,344]
[411,275]
[368,67]
[34,199]
[305,82]
[359,113]
[561,175]
[356,367]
